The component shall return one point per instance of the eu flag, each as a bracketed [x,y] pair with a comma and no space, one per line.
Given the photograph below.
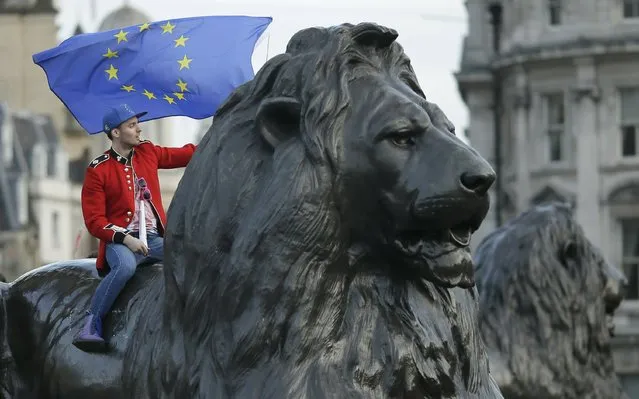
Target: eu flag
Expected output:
[184,67]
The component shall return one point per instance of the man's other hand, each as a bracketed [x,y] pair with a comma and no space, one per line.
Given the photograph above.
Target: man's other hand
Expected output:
[136,245]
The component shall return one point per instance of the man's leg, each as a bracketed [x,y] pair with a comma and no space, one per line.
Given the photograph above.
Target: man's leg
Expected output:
[123,263]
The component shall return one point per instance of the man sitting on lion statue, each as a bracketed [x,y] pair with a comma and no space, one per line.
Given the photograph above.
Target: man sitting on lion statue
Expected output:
[316,247]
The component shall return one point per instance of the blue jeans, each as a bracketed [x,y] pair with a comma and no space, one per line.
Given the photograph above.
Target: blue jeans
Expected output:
[123,263]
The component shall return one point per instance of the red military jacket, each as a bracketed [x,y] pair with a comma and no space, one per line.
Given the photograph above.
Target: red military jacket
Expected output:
[108,199]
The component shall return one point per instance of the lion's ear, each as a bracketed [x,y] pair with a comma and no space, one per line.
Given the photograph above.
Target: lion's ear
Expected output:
[278,119]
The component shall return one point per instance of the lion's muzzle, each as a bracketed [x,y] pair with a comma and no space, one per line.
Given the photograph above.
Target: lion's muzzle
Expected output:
[614,292]
[615,287]
[458,203]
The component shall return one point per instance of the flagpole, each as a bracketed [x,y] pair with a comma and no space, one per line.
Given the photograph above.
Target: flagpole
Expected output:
[94,14]
[268,44]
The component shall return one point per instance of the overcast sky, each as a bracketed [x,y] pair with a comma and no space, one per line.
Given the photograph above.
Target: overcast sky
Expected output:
[430,31]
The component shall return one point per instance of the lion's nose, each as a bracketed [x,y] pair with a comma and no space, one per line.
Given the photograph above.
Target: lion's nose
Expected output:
[614,290]
[478,182]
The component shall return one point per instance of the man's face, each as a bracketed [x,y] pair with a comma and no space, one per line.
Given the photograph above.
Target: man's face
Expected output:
[128,133]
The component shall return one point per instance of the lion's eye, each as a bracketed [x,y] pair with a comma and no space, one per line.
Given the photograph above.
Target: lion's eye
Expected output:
[568,253]
[403,140]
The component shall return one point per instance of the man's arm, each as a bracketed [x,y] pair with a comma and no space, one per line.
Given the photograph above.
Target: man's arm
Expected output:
[174,157]
[94,209]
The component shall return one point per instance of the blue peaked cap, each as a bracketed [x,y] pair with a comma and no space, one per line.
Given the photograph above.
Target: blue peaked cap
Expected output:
[116,115]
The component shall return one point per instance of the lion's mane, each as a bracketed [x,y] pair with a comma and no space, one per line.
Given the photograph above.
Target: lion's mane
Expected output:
[544,322]
[265,297]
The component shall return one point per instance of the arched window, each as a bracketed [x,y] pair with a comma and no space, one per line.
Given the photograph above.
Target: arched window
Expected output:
[624,207]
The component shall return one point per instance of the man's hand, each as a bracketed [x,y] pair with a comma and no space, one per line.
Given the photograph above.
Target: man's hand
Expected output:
[136,245]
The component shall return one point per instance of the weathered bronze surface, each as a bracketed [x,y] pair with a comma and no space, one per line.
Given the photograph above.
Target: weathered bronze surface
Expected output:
[547,297]
[317,247]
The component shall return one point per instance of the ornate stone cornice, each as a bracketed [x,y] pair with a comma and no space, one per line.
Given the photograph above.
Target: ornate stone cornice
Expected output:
[29,7]
[568,49]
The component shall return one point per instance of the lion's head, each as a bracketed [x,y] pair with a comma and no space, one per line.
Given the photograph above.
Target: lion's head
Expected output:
[547,297]
[328,203]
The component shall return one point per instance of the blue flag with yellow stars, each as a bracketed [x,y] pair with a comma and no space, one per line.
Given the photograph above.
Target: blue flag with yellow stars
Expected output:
[181,67]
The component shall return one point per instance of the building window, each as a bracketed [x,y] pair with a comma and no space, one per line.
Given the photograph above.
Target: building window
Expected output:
[554,12]
[629,122]
[630,242]
[630,383]
[630,8]
[55,230]
[629,140]
[51,161]
[555,126]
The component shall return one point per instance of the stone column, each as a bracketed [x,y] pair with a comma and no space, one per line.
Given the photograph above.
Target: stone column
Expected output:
[481,137]
[520,136]
[585,123]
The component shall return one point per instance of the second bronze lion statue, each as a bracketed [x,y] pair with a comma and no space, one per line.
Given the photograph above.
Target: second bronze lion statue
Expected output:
[317,247]
[547,297]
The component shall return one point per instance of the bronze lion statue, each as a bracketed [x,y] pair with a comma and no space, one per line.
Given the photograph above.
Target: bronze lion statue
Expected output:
[317,247]
[546,301]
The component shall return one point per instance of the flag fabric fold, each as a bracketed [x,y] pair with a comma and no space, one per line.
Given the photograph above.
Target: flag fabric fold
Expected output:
[180,67]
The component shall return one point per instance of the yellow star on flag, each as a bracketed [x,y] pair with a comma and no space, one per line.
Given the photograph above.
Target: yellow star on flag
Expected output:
[128,88]
[167,28]
[112,71]
[110,54]
[179,96]
[121,35]
[184,62]
[181,41]
[148,94]
[181,85]
[169,99]
[144,26]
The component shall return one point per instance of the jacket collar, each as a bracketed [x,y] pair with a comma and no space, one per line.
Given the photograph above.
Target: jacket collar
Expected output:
[121,158]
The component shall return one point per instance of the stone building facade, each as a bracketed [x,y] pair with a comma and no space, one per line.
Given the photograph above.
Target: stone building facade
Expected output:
[36,198]
[569,71]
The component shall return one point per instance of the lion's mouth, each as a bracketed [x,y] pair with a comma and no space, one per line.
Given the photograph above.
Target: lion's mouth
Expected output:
[440,256]
[612,301]
[610,323]
[610,318]
[461,235]
[414,242]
